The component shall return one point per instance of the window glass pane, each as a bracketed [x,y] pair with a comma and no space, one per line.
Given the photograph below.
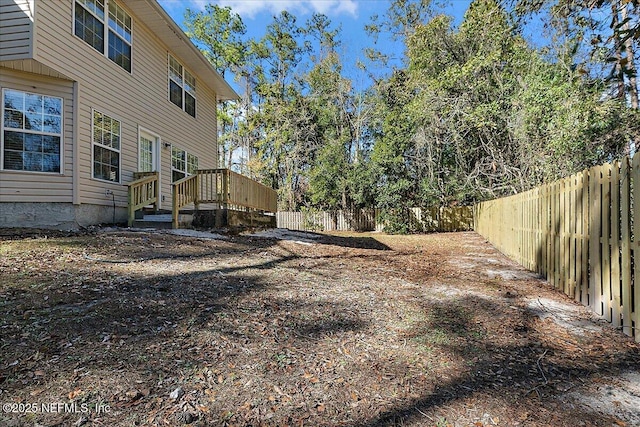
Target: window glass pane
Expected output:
[95,6]
[175,70]
[192,164]
[176,175]
[13,160]
[13,119]
[175,93]
[115,141]
[14,100]
[119,51]
[115,127]
[190,104]
[33,142]
[51,144]
[32,162]
[33,122]
[189,83]
[51,163]
[52,124]
[13,140]
[89,28]
[52,106]
[120,21]
[33,103]
[106,164]
[178,159]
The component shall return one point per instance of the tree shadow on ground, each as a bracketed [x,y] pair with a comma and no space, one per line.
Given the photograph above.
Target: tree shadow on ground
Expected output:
[524,365]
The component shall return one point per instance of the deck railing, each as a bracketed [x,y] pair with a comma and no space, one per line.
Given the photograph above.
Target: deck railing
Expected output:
[224,188]
[142,192]
[232,190]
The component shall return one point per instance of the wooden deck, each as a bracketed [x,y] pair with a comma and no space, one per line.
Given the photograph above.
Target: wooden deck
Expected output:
[206,189]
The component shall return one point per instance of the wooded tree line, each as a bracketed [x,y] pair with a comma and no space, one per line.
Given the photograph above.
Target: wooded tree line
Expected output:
[465,113]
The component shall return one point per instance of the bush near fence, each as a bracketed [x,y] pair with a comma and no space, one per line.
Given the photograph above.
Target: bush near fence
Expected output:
[579,234]
[436,219]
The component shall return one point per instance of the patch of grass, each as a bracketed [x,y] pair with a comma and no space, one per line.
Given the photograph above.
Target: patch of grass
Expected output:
[432,338]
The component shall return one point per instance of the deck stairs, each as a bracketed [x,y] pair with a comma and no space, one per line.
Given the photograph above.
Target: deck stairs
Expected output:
[160,220]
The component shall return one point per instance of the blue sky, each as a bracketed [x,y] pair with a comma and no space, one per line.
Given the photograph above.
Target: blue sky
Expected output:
[351,15]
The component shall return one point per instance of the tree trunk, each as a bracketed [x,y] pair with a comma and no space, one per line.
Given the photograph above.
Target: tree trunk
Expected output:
[630,64]
[618,75]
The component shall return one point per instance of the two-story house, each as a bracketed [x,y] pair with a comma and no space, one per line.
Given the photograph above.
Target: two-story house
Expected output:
[92,92]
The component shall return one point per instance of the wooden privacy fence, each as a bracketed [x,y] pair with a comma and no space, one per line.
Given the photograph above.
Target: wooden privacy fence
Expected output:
[425,220]
[581,233]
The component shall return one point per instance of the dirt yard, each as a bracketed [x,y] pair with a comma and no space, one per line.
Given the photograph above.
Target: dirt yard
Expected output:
[117,328]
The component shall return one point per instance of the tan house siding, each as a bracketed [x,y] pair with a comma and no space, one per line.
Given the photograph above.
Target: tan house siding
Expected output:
[16,186]
[137,99]
[16,24]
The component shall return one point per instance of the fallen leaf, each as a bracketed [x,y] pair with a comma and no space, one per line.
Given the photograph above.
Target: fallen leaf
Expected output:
[74,394]
[321,407]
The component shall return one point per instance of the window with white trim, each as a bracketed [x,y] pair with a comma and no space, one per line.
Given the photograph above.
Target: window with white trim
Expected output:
[106,133]
[31,137]
[182,87]
[90,17]
[182,164]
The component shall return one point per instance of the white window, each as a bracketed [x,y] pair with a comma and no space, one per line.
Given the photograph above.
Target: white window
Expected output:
[31,137]
[182,87]
[182,164]
[106,133]
[90,17]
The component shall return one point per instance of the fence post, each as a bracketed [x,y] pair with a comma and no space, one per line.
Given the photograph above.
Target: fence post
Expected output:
[225,188]
[174,207]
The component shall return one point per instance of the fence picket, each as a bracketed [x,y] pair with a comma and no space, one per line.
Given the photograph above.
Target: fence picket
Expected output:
[605,209]
[615,245]
[625,254]
[635,182]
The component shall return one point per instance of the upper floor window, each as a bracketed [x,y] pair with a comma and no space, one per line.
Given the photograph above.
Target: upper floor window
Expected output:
[31,132]
[182,87]
[100,20]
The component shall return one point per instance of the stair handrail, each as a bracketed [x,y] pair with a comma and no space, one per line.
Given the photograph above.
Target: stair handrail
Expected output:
[140,193]
[184,192]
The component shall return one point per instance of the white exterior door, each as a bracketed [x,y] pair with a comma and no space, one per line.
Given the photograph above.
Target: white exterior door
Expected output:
[148,159]
[149,155]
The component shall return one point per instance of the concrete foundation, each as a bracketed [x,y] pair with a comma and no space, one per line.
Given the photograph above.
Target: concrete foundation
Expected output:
[58,216]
